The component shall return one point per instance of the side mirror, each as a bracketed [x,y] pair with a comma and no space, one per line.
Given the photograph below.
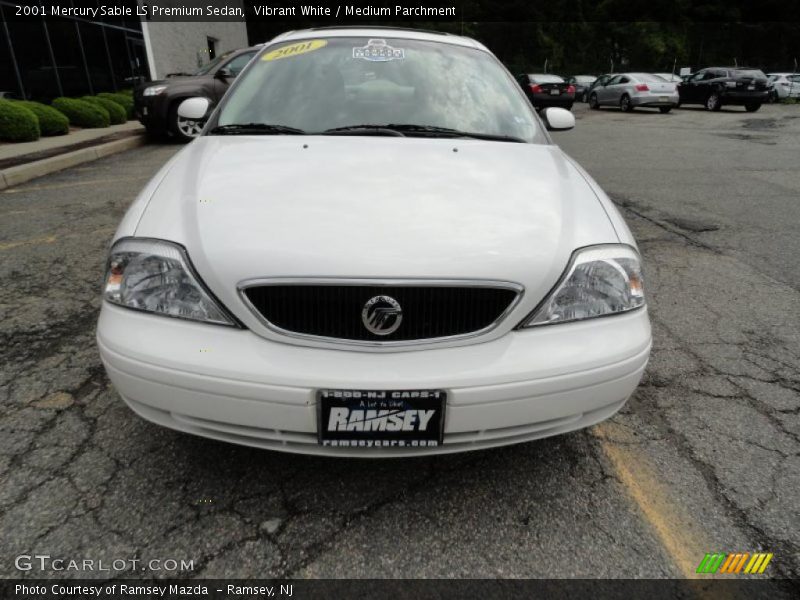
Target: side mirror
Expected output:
[224,73]
[194,109]
[557,119]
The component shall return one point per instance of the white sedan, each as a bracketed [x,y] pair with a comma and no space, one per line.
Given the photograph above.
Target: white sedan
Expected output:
[374,249]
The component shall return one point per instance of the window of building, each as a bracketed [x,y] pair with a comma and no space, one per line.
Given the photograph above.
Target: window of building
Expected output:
[94,48]
[36,68]
[69,57]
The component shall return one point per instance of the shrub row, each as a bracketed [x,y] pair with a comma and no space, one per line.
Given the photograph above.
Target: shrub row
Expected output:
[25,121]
[82,113]
[51,122]
[17,123]
[122,99]
[116,112]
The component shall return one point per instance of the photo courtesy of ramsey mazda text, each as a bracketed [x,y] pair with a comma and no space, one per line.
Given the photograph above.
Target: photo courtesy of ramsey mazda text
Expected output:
[374,249]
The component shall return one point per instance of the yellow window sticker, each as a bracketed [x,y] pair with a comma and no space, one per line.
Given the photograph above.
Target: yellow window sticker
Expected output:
[295,49]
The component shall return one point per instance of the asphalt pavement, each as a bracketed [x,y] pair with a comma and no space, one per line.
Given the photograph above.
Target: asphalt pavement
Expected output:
[704,458]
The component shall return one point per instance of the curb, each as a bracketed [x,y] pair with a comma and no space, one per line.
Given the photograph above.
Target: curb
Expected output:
[21,173]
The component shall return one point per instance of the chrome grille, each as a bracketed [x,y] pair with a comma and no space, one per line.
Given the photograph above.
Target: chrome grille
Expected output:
[429,311]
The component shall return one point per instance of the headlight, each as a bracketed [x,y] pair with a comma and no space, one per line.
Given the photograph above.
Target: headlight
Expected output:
[154,90]
[599,281]
[156,276]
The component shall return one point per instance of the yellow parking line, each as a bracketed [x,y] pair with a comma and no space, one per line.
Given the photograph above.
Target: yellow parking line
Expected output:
[674,528]
[30,242]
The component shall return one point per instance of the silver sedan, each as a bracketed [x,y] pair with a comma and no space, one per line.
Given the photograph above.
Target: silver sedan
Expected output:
[629,90]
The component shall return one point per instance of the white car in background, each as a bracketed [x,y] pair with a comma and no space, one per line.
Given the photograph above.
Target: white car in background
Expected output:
[784,85]
[374,249]
[671,77]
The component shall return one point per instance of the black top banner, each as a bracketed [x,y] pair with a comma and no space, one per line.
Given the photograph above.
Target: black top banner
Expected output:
[359,12]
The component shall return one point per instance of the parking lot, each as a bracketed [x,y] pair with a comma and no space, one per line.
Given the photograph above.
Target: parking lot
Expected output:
[704,458]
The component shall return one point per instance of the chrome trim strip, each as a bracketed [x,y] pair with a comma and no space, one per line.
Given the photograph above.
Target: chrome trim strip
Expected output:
[487,283]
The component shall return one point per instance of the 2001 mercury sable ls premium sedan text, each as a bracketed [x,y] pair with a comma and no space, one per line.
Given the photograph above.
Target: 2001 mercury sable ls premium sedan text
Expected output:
[374,249]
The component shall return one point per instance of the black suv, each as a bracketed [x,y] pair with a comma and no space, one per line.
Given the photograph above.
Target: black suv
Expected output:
[156,103]
[716,87]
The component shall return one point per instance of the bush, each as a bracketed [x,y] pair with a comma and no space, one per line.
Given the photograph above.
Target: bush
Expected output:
[82,113]
[17,123]
[115,111]
[123,100]
[51,122]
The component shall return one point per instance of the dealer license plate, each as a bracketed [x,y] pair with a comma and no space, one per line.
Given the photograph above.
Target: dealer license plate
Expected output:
[381,418]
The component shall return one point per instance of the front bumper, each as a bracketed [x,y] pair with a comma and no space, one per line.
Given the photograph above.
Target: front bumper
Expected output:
[151,111]
[232,385]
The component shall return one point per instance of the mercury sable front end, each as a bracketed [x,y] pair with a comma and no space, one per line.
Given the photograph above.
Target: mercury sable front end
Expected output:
[374,249]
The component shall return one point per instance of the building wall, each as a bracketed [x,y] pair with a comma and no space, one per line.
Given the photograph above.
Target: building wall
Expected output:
[182,46]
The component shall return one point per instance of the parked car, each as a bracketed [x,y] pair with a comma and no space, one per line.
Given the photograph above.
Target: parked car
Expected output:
[715,87]
[631,90]
[349,262]
[784,85]
[672,77]
[156,103]
[582,84]
[601,80]
[547,90]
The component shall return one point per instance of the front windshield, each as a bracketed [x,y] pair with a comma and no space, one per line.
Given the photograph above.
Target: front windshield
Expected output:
[323,84]
[206,68]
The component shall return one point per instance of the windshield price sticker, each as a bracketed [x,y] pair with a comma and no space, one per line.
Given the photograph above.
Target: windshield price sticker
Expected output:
[295,49]
[379,51]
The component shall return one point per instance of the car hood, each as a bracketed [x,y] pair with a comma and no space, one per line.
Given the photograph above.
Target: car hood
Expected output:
[378,207]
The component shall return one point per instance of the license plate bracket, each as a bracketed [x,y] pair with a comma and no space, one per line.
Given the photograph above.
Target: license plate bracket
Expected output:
[380,418]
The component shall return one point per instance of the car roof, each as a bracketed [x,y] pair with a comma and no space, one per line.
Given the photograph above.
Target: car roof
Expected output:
[380,32]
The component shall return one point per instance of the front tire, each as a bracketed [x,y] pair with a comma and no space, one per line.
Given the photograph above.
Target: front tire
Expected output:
[713,102]
[664,109]
[752,107]
[625,103]
[182,129]
[593,102]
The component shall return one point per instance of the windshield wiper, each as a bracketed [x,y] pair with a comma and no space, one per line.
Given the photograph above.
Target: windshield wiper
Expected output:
[404,129]
[255,129]
[433,130]
[363,129]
